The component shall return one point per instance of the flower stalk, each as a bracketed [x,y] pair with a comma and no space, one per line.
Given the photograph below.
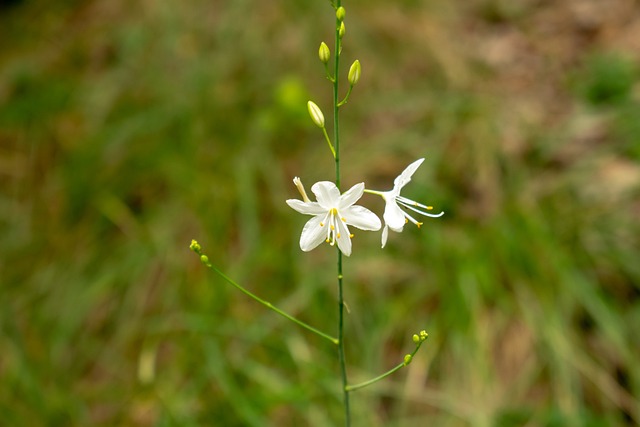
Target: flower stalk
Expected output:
[195,247]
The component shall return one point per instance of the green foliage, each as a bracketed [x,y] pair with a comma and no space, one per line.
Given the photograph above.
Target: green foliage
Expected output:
[127,129]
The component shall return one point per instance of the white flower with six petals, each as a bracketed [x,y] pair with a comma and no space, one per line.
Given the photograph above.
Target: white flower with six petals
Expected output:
[394,217]
[332,213]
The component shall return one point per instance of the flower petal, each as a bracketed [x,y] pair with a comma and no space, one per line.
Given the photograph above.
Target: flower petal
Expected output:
[312,234]
[327,194]
[404,178]
[307,208]
[361,217]
[351,196]
[344,241]
[385,234]
[393,215]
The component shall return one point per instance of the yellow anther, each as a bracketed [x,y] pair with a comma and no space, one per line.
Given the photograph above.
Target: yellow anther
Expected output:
[429,208]
[334,211]
[343,219]
[332,227]
[351,236]
[418,224]
[338,236]
[322,224]
[406,220]
[327,240]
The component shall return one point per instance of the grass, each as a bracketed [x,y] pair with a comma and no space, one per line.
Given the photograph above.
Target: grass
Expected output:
[126,131]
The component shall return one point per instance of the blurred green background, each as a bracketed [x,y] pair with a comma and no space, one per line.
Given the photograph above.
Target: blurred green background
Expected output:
[129,128]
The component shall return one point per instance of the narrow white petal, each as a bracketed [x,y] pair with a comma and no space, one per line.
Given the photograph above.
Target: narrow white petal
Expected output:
[351,196]
[404,178]
[344,241]
[312,234]
[385,234]
[307,208]
[393,215]
[361,218]
[327,194]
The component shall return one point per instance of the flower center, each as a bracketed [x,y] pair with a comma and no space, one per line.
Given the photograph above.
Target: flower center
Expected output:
[331,221]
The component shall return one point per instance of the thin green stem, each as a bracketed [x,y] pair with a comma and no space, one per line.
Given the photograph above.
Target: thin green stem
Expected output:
[346,97]
[407,360]
[336,140]
[205,260]
[341,352]
[326,136]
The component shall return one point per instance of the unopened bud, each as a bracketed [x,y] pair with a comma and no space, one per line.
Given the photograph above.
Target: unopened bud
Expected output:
[340,13]
[316,114]
[204,259]
[354,72]
[416,339]
[407,359]
[341,30]
[324,53]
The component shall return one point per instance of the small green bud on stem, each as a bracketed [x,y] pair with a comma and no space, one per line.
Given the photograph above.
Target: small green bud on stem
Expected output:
[341,30]
[407,359]
[324,53]
[340,13]
[354,73]
[195,246]
[316,114]
[416,339]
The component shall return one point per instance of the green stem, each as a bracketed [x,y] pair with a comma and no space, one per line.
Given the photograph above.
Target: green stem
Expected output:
[341,352]
[346,97]
[336,139]
[205,260]
[396,368]
[326,136]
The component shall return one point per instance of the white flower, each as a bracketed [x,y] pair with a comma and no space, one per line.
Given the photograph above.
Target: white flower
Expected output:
[394,217]
[331,214]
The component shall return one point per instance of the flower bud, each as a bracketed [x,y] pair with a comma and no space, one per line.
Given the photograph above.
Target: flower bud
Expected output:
[324,53]
[204,259]
[341,30]
[407,359]
[340,13]
[423,335]
[195,246]
[416,339]
[354,72]
[316,114]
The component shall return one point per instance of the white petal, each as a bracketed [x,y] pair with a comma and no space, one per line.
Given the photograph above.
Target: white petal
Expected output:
[327,194]
[307,208]
[393,215]
[404,178]
[351,196]
[385,234]
[361,218]
[312,234]
[344,241]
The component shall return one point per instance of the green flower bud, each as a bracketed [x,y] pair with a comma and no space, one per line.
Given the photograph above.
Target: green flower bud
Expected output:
[324,53]
[204,259]
[354,72]
[407,359]
[416,339]
[423,335]
[316,114]
[195,246]
[341,30]
[340,13]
